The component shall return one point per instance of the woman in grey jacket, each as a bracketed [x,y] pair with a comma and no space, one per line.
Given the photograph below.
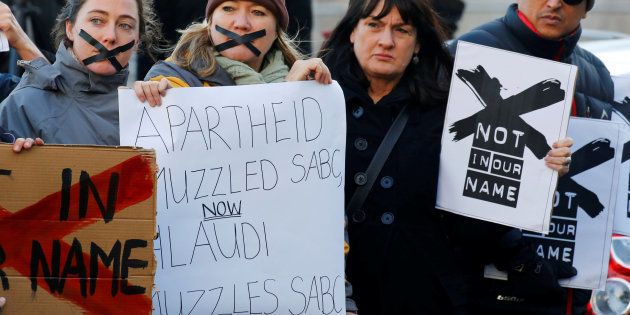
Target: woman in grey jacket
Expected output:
[75,100]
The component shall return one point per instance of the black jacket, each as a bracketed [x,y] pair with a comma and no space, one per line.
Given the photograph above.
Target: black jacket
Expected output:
[399,260]
[593,98]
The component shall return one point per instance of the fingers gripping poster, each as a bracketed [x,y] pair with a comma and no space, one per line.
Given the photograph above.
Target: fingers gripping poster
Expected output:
[505,110]
[250,197]
[621,113]
[580,231]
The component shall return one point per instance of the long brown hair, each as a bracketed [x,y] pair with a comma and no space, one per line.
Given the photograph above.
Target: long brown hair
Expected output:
[150,29]
[194,50]
[429,77]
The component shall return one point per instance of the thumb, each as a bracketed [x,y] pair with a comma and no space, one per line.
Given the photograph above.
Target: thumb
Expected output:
[2,302]
[163,86]
[564,271]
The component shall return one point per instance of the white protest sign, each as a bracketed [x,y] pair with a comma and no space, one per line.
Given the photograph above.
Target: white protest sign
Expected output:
[581,227]
[250,197]
[504,112]
[621,113]
[4,43]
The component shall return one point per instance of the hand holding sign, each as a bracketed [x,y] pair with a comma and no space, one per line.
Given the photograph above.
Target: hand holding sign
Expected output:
[151,91]
[559,157]
[12,35]
[26,144]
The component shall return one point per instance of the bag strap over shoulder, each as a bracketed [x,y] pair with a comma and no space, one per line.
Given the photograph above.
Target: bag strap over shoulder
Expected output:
[379,159]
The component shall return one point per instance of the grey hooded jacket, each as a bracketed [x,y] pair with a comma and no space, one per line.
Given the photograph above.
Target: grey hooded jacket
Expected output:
[64,103]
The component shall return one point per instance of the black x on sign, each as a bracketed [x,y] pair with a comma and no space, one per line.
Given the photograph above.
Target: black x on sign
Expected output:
[501,135]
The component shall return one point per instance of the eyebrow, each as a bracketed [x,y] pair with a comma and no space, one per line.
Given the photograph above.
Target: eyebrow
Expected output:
[403,23]
[126,16]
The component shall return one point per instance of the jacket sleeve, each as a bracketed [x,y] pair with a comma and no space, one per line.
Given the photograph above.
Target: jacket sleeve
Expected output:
[6,136]
[14,117]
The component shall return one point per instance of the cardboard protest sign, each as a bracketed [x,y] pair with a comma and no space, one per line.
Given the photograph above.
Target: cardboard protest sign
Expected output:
[504,112]
[580,232]
[76,230]
[250,197]
[621,113]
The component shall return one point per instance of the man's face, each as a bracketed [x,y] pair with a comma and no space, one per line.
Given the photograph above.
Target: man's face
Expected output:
[553,19]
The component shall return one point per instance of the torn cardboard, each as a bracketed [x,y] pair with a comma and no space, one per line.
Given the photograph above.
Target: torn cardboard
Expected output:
[76,230]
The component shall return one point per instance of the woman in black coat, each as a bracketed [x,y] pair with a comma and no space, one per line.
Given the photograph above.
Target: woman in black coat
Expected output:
[406,257]
[388,54]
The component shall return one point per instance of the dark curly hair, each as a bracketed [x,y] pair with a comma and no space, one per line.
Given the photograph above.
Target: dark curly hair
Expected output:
[151,39]
[429,78]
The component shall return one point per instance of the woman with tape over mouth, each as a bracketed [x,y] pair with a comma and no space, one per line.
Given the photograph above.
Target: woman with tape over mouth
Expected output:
[241,42]
[75,100]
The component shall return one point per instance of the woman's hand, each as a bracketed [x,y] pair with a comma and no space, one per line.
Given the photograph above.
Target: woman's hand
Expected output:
[16,37]
[151,91]
[559,158]
[314,68]
[26,144]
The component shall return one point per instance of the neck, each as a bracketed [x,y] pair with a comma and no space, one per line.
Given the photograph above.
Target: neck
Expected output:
[381,87]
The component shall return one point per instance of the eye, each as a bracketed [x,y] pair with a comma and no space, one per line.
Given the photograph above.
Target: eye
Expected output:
[228,8]
[126,26]
[372,25]
[259,13]
[404,30]
[96,21]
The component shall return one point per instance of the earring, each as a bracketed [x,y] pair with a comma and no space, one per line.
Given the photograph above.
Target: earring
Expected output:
[416,59]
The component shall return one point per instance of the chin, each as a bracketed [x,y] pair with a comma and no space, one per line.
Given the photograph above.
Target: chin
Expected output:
[241,54]
[103,68]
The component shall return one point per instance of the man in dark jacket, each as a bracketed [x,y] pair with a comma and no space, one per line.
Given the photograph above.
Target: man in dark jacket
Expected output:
[547,29]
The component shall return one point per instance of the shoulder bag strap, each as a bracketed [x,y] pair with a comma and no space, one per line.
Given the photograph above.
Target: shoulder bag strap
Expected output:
[382,153]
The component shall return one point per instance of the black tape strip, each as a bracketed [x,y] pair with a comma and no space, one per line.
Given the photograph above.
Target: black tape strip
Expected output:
[236,40]
[104,53]
[5,172]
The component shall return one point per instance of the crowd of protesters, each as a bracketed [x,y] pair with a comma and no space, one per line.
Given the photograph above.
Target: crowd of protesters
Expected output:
[390,59]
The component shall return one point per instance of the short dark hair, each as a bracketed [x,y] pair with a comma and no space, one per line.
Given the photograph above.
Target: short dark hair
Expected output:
[430,76]
[150,29]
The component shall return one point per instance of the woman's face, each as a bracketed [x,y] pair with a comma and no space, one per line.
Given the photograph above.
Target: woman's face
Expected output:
[384,47]
[111,22]
[244,17]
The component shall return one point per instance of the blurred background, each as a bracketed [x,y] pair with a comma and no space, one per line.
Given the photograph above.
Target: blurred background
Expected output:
[312,20]
[607,15]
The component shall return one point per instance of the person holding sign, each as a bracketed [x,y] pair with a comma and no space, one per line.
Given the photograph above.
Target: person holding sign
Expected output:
[75,100]
[548,29]
[241,42]
[388,57]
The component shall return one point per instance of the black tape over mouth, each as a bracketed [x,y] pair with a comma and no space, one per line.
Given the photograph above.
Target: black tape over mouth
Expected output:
[236,40]
[104,53]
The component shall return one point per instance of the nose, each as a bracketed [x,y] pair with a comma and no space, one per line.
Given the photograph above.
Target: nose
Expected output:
[554,3]
[108,35]
[241,21]
[386,39]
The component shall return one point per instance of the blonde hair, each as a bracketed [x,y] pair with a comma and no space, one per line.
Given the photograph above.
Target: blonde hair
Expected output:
[194,50]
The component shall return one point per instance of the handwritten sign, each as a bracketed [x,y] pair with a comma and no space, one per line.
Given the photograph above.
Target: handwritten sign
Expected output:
[580,232]
[250,197]
[621,113]
[504,112]
[76,225]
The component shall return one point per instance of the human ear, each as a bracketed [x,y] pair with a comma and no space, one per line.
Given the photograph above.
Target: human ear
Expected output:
[69,32]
